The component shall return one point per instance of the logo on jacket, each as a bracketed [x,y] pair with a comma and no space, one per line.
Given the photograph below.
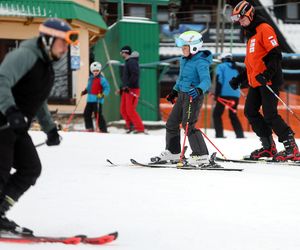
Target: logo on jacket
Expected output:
[252,45]
[273,41]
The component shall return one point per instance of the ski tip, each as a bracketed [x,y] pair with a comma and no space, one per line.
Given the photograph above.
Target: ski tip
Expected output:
[133,161]
[115,235]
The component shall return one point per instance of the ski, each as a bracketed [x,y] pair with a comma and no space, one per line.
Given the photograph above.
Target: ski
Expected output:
[73,240]
[260,161]
[153,165]
[186,166]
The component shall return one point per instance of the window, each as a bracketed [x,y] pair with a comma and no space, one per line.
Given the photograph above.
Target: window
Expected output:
[137,11]
[292,11]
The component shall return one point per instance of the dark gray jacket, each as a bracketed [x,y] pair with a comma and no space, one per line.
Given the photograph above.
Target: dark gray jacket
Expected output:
[26,80]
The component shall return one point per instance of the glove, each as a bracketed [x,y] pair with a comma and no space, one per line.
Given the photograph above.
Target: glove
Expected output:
[261,79]
[195,92]
[84,92]
[100,95]
[171,97]
[53,137]
[16,120]
[125,89]
[234,83]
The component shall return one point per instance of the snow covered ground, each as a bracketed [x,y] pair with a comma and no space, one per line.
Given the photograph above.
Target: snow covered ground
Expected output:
[158,209]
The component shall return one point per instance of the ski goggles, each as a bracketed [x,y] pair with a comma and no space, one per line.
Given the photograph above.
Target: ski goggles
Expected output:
[180,42]
[70,36]
[236,18]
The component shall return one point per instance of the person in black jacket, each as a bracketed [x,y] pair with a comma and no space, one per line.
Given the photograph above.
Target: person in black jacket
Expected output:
[130,90]
[26,79]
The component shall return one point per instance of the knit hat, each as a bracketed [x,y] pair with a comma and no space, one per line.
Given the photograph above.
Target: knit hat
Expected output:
[126,49]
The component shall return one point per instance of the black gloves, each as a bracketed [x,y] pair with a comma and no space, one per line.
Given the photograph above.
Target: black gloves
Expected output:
[16,120]
[171,97]
[125,89]
[195,92]
[261,79]
[53,137]
[84,92]
[234,83]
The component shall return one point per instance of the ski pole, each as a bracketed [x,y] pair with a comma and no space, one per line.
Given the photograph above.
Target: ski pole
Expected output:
[72,115]
[287,107]
[180,163]
[226,104]
[212,143]
[97,117]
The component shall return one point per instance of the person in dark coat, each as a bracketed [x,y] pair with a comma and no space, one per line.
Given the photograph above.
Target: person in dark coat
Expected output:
[130,91]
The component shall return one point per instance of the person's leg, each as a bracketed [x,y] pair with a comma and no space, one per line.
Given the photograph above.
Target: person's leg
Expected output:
[101,120]
[195,137]
[218,123]
[279,126]
[235,122]
[88,120]
[131,105]
[123,110]
[262,128]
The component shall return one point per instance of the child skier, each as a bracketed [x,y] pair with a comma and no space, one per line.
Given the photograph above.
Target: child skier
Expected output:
[97,88]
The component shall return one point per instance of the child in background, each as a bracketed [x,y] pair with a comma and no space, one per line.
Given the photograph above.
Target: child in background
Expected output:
[97,88]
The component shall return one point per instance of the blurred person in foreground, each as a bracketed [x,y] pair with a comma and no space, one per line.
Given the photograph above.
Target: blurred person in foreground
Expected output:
[26,80]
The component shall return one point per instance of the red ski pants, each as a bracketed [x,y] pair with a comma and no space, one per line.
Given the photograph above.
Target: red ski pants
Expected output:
[129,102]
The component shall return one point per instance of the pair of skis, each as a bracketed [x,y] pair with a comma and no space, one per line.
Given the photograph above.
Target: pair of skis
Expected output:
[185,166]
[73,240]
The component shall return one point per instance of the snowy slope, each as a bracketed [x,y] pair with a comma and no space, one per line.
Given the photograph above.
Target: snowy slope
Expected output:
[158,209]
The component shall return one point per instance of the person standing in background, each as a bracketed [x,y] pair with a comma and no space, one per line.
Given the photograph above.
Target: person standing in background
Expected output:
[130,91]
[97,88]
[225,95]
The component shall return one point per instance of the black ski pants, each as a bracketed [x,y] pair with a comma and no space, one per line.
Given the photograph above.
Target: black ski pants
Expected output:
[18,152]
[235,122]
[179,115]
[94,108]
[263,123]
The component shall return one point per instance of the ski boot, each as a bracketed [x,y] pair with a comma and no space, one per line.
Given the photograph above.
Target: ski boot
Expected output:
[268,149]
[198,160]
[290,152]
[8,226]
[166,156]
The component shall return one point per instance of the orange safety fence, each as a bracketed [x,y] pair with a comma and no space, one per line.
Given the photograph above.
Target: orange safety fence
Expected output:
[205,119]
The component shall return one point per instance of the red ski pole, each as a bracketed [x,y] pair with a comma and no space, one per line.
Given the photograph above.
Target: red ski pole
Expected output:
[72,115]
[212,144]
[226,104]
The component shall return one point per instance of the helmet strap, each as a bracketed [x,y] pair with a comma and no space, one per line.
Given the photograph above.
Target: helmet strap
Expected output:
[48,42]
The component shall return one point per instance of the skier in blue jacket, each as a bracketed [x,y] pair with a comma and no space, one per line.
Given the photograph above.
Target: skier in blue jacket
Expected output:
[225,95]
[193,82]
[97,88]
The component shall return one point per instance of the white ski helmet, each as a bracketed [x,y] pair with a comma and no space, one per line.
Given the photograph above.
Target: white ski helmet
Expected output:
[226,55]
[95,66]
[191,38]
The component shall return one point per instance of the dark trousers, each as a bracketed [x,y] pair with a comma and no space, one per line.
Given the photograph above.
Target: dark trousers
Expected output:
[96,109]
[179,115]
[18,152]
[263,125]
[235,122]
